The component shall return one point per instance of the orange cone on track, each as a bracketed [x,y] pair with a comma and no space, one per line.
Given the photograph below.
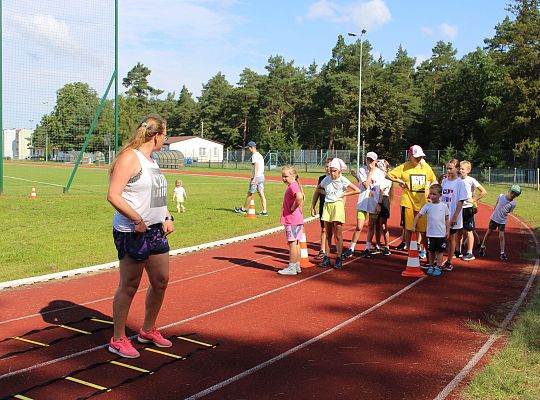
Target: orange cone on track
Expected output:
[33,194]
[413,261]
[304,256]
[251,210]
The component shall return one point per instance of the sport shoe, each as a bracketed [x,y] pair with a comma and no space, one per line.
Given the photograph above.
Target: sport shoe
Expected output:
[447,266]
[386,252]
[503,257]
[366,254]
[422,254]
[325,262]
[123,348]
[347,253]
[339,263]
[290,270]
[482,251]
[401,246]
[298,269]
[320,256]
[263,214]
[239,210]
[153,336]
[457,254]
[376,250]
[469,257]
[437,271]
[427,267]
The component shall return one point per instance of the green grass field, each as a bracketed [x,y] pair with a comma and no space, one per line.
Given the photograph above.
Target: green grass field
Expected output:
[59,231]
[66,231]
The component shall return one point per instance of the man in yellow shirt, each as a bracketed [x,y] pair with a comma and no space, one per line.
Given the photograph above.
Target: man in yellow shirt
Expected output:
[415,177]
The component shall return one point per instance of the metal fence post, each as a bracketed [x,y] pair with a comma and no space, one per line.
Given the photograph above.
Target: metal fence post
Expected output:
[515,174]
[489,175]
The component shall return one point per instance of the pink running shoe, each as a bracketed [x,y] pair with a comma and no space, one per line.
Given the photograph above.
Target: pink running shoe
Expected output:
[153,336]
[123,347]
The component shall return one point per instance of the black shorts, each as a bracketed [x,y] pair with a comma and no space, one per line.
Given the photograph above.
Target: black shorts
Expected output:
[385,208]
[437,244]
[494,226]
[468,219]
[321,208]
[140,246]
[453,231]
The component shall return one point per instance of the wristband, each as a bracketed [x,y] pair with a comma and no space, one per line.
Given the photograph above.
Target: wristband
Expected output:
[138,222]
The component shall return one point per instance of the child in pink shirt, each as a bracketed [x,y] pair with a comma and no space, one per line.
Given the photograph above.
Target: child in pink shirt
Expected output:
[292,218]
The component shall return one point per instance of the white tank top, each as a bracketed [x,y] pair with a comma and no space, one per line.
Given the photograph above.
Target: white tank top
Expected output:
[146,193]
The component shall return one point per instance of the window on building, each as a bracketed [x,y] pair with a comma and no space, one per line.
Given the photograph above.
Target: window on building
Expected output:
[202,151]
[216,151]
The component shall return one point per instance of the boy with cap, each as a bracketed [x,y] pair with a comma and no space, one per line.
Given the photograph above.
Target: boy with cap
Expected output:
[504,206]
[256,182]
[369,179]
[415,177]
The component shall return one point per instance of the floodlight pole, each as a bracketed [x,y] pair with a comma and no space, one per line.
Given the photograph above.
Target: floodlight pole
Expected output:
[358,136]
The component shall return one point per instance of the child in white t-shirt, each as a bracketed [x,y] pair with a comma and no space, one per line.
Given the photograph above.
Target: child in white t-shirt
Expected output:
[504,206]
[179,195]
[438,228]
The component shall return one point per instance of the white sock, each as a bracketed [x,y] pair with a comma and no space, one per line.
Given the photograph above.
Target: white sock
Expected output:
[368,245]
[352,246]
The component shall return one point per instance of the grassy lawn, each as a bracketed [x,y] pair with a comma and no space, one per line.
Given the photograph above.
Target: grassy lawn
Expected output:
[514,372]
[65,231]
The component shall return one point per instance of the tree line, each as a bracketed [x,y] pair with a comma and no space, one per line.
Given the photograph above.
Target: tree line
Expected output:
[485,105]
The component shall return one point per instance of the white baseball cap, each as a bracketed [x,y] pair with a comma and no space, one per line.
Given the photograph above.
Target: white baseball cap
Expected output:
[416,151]
[372,155]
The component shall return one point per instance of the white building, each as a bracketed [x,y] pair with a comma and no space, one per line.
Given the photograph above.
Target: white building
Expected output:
[195,148]
[10,143]
[17,143]
[24,139]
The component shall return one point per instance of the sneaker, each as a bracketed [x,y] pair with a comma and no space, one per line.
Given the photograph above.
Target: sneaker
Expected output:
[153,336]
[339,263]
[366,254]
[123,348]
[298,269]
[469,257]
[457,254]
[376,250]
[401,246]
[386,252]
[347,253]
[482,251]
[325,262]
[290,270]
[263,214]
[422,254]
[426,267]
[320,256]
[239,210]
[447,266]
[503,257]
[437,271]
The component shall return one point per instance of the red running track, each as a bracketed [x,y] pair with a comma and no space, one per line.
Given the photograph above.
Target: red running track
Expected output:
[361,332]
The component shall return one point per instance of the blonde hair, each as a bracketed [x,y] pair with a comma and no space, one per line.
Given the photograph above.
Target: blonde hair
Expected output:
[293,172]
[149,127]
[453,161]
[178,182]
[465,163]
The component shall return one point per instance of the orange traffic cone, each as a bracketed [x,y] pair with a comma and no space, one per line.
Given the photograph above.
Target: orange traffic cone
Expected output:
[413,261]
[33,194]
[304,256]
[251,210]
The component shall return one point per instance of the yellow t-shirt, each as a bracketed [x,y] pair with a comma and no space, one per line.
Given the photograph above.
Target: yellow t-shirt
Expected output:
[417,179]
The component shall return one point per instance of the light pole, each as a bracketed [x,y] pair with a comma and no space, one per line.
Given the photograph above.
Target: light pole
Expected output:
[359,102]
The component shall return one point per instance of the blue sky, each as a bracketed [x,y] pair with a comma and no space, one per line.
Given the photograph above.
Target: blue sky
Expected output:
[186,42]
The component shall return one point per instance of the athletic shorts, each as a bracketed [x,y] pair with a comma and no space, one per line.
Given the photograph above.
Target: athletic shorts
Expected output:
[437,244]
[256,185]
[468,219]
[494,226]
[321,209]
[385,208]
[453,231]
[140,246]
[293,232]
[334,212]
[407,218]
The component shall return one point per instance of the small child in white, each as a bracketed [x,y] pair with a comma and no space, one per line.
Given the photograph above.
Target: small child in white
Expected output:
[504,206]
[179,195]
[438,228]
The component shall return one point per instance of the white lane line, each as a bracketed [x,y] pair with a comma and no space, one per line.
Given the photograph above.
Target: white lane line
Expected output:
[29,180]
[303,345]
[454,383]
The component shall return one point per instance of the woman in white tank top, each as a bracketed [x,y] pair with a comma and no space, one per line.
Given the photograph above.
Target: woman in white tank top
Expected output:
[138,192]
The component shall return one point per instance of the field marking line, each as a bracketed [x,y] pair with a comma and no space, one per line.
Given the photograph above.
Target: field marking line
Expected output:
[30,180]
[231,305]
[303,345]
[454,383]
